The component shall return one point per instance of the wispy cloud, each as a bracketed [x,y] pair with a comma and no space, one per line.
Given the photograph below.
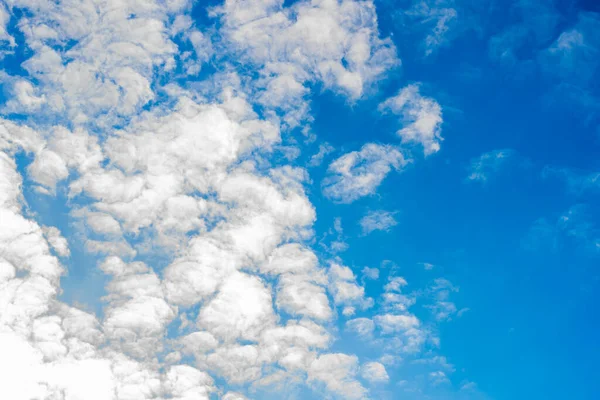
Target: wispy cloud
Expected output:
[577,182]
[378,220]
[489,164]
[317,159]
[572,229]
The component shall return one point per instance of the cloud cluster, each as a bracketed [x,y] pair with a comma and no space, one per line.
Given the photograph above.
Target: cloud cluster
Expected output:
[332,43]
[394,329]
[201,238]
[92,62]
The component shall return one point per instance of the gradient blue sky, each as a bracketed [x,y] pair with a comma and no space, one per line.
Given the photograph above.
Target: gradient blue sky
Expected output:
[496,234]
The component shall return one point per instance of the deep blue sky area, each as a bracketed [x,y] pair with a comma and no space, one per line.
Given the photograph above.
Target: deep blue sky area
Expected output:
[532,328]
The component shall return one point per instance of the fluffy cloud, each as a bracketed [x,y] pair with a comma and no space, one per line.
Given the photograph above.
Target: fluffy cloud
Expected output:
[4,35]
[58,243]
[241,309]
[359,173]
[186,383]
[97,75]
[374,372]
[338,373]
[137,312]
[421,118]
[362,326]
[331,42]
[201,240]
[345,290]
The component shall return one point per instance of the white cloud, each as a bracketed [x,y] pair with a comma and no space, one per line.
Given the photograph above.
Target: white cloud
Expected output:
[438,378]
[100,76]
[4,19]
[234,396]
[25,97]
[421,118]
[187,383]
[374,372]
[379,220]
[359,173]
[180,177]
[301,296]
[395,284]
[396,323]
[50,349]
[394,299]
[317,159]
[442,308]
[58,243]
[241,309]
[362,326]
[103,223]
[345,290]
[427,266]
[48,168]
[370,273]
[338,373]
[440,18]
[236,363]
[334,43]
[137,313]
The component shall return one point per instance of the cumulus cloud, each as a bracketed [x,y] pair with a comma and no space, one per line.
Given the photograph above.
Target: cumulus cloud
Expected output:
[201,240]
[359,173]
[4,35]
[98,78]
[58,243]
[241,309]
[370,273]
[420,116]
[345,290]
[374,372]
[291,50]
[361,326]
[338,373]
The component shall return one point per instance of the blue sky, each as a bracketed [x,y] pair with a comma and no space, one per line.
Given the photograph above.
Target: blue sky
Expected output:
[267,199]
